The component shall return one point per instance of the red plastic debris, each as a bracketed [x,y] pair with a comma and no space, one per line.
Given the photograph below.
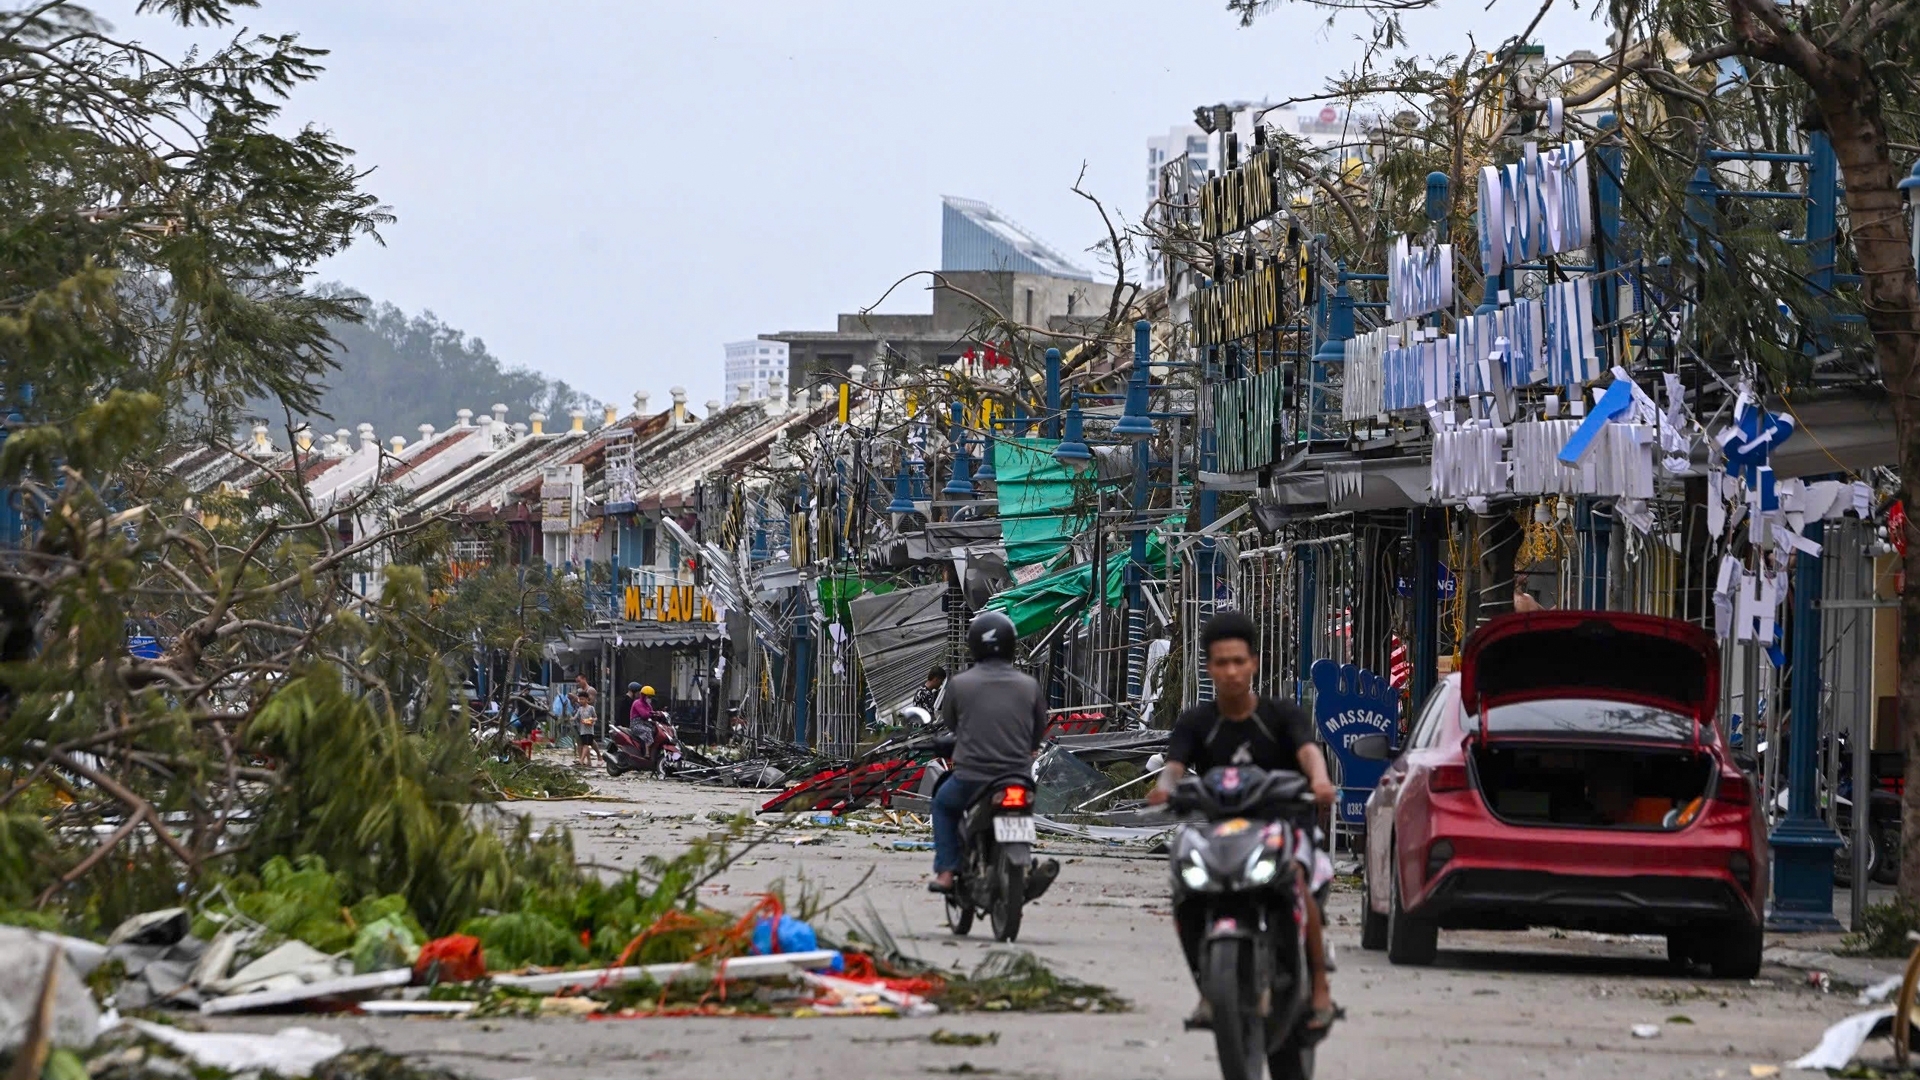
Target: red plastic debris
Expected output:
[454,958]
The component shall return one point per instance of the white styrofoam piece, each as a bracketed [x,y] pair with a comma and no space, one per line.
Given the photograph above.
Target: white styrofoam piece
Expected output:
[740,967]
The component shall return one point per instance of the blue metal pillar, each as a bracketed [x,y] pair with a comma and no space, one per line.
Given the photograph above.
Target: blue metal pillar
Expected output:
[1823,199]
[1609,156]
[1331,353]
[802,637]
[1803,843]
[1137,557]
[1423,652]
[1307,566]
[1050,424]
[1598,529]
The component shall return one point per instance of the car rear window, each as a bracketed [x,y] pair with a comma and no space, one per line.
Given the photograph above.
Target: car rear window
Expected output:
[1565,717]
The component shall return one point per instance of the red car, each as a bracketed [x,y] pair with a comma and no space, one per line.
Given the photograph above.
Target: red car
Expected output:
[1570,774]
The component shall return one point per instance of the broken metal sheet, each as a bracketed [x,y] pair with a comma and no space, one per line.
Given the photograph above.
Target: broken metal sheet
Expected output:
[314,991]
[898,637]
[1104,746]
[294,959]
[1111,834]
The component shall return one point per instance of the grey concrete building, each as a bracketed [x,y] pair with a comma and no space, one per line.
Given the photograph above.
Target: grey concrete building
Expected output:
[995,279]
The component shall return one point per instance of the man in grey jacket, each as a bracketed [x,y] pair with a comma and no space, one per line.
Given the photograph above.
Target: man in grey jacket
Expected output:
[998,714]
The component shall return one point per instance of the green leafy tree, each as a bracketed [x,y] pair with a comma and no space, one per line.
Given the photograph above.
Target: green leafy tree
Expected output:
[398,371]
[157,231]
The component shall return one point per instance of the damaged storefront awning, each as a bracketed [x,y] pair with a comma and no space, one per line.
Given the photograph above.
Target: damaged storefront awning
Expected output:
[646,633]
[898,637]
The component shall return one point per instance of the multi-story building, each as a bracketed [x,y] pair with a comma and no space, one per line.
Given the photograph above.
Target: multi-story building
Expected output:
[753,366]
[994,276]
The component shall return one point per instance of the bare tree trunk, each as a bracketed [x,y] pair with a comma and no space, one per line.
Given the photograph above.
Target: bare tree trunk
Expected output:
[1848,101]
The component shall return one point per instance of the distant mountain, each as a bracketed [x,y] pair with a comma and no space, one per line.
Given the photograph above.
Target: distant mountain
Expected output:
[398,371]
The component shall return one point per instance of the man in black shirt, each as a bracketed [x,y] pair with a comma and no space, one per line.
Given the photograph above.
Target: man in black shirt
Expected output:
[1239,727]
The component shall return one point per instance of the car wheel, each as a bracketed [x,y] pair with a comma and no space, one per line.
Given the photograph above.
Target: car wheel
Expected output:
[1411,941]
[1736,952]
[1373,926]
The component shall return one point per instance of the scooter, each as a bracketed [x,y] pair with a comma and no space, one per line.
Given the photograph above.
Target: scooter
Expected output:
[623,751]
[1237,863]
[998,874]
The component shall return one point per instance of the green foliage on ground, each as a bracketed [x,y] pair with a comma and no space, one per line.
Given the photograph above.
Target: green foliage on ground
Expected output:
[516,779]
[1017,980]
[1885,930]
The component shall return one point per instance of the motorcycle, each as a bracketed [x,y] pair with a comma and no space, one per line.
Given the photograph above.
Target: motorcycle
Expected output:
[998,874]
[1883,820]
[625,753]
[1237,863]
[522,735]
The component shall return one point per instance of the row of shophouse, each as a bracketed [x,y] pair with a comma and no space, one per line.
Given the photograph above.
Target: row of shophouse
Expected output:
[622,501]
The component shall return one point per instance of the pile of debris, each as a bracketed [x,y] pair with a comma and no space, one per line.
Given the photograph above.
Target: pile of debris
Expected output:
[1089,785]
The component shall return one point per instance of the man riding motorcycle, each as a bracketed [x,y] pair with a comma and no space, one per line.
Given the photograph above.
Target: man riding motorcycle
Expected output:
[1239,727]
[998,715]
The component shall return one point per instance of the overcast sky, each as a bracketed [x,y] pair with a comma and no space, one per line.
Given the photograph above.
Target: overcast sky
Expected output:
[609,190]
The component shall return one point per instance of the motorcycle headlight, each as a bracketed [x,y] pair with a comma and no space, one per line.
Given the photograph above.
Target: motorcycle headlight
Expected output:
[1194,873]
[1262,868]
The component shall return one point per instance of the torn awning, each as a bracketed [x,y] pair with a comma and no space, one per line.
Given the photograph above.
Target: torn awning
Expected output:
[898,637]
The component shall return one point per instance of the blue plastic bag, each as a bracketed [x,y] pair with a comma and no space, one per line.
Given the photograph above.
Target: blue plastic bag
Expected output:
[790,935]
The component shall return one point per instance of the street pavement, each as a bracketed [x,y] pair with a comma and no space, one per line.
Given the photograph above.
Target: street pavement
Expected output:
[1539,1004]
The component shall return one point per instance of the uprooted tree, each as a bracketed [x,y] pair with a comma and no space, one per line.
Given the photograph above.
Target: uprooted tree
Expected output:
[1843,67]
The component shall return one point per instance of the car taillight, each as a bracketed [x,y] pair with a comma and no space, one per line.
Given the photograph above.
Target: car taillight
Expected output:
[1734,790]
[1448,778]
[1013,798]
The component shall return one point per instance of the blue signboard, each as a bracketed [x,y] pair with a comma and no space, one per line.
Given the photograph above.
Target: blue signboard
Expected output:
[1446,583]
[1349,702]
[143,646]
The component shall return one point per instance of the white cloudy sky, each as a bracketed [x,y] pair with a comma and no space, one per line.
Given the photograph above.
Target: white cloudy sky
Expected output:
[608,190]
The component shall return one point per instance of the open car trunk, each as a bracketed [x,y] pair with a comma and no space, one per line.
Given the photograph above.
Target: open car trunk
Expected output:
[1593,786]
[1616,656]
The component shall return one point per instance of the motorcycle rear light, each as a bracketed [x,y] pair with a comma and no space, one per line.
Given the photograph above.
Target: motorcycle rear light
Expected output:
[1438,856]
[1013,798]
[1449,778]
[1734,790]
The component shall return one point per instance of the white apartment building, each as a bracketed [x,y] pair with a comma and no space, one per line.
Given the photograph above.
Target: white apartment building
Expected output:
[759,362]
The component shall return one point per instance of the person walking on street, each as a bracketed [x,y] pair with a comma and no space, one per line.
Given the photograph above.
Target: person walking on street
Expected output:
[586,717]
[998,714]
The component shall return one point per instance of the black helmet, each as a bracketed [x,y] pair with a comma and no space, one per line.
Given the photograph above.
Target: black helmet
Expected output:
[991,636]
[633,688]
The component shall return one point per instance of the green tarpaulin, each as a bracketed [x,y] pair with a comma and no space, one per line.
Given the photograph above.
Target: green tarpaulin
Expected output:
[836,591]
[1040,603]
[1035,493]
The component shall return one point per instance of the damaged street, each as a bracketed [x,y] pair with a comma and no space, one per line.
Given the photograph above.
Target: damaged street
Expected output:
[1511,1005]
[1413,584]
